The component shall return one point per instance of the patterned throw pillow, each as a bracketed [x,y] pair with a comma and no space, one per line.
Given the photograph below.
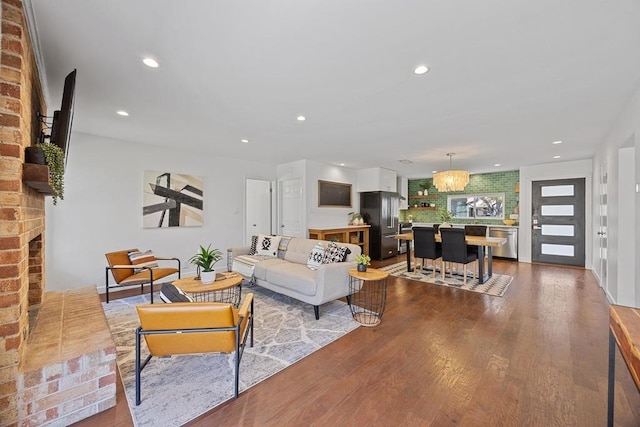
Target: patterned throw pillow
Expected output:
[335,253]
[268,245]
[254,245]
[282,247]
[316,256]
[145,257]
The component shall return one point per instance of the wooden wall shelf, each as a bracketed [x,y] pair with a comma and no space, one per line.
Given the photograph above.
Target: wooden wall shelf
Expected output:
[428,196]
[37,177]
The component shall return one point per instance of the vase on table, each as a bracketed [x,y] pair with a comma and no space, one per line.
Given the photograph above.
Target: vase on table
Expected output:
[207,277]
[362,268]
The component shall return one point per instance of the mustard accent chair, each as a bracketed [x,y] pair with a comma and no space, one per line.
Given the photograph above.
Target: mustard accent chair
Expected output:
[124,272]
[193,327]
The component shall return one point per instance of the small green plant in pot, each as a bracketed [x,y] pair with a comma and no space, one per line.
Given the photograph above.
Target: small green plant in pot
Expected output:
[362,262]
[205,259]
[356,218]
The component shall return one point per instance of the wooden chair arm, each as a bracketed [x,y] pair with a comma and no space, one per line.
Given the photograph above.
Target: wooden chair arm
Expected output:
[246,304]
[131,266]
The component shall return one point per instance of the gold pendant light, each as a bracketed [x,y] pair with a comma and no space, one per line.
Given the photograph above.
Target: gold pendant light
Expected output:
[451,180]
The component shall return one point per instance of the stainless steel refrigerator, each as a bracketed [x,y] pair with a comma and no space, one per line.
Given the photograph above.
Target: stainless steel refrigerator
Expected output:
[380,210]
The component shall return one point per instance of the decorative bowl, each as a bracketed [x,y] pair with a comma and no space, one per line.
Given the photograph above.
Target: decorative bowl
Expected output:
[509,221]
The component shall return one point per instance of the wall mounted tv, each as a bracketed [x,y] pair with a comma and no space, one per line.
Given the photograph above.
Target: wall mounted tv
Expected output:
[63,118]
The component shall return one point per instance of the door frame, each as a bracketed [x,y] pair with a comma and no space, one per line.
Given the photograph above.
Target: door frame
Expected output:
[551,171]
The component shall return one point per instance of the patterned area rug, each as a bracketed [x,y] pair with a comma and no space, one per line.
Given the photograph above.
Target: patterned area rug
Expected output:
[178,389]
[497,285]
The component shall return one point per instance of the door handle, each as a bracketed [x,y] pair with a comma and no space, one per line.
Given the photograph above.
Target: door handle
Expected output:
[537,227]
[600,233]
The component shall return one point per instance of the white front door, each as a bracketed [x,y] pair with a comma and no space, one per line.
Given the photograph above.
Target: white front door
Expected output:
[291,220]
[258,202]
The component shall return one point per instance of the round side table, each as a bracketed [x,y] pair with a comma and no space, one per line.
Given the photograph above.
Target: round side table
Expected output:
[368,291]
[226,288]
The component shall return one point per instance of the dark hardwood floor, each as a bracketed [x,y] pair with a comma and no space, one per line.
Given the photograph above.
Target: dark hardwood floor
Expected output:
[445,357]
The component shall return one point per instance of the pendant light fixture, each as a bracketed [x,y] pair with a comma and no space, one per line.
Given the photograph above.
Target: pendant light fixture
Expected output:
[451,180]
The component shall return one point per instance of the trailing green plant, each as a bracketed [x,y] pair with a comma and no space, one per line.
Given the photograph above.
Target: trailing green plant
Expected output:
[206,258]
[54,158]
[363,259]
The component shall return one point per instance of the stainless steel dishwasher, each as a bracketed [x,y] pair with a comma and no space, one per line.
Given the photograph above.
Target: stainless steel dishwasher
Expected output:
[509,249]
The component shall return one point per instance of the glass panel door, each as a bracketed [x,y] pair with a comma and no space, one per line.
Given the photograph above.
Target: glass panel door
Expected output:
[558,221]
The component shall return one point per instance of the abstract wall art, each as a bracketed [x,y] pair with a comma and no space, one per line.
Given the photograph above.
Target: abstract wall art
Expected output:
[171,200]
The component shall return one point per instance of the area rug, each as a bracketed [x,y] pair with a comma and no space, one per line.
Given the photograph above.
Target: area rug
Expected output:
[496,285]
[178,389]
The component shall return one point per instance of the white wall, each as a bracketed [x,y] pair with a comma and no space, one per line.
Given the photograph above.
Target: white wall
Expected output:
[102,210]
[548,171]
[622,135]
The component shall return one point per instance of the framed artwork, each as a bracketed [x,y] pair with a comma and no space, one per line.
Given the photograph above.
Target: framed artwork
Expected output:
[171,200]
[334,194]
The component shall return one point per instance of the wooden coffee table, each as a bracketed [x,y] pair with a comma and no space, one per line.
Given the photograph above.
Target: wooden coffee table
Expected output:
[226,288]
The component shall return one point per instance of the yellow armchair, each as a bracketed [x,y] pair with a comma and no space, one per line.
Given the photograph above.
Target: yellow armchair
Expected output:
[193,327]
[125,273]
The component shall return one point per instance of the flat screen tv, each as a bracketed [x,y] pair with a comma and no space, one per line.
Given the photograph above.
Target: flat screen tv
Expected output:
[63,118]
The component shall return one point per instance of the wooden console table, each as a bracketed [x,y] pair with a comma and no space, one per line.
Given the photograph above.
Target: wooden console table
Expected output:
[624,330]
[355,234]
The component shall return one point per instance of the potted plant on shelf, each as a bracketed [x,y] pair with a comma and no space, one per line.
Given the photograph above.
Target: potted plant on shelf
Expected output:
[205,259]
[362,262]
[356,218]
[53,157]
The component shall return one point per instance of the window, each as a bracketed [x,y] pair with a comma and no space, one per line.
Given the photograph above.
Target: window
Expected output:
[477,206]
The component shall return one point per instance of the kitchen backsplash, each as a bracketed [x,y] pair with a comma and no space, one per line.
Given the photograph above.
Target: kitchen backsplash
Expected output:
[483,183]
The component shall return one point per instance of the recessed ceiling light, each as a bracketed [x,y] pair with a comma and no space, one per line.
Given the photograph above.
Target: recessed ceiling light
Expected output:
[150,62]
[434,171]
[341,164]
[122,113]
[301,118]
[244,140]
[496,164]
[556,157]
[556,142]
[420,69]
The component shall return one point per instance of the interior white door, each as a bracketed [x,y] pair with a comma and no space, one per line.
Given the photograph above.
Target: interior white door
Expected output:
[290,212]
[258,203]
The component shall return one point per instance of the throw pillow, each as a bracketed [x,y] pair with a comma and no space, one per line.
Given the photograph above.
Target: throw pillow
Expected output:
[147,258]
[316,256]
[335,253]
[282,247]
[254,245]
[268,245]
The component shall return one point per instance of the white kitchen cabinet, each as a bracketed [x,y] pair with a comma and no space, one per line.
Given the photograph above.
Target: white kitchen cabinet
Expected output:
[377,179]
[403,190]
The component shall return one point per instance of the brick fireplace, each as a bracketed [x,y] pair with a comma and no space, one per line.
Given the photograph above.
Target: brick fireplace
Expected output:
[65,369]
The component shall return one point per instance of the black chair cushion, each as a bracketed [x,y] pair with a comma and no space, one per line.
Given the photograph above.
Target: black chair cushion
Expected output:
[424,243]
[454,248]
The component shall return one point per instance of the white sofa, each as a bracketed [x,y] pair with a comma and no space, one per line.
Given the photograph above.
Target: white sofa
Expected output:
[289,275]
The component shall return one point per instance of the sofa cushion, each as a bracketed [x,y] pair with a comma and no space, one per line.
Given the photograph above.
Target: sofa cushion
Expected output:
[268,245]
[299,249]
[261,268]
[282,247]
[316,256]
[335,253]
[253,249]
[293,276]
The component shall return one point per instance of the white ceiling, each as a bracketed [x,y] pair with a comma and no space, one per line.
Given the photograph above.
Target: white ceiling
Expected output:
[507,77]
